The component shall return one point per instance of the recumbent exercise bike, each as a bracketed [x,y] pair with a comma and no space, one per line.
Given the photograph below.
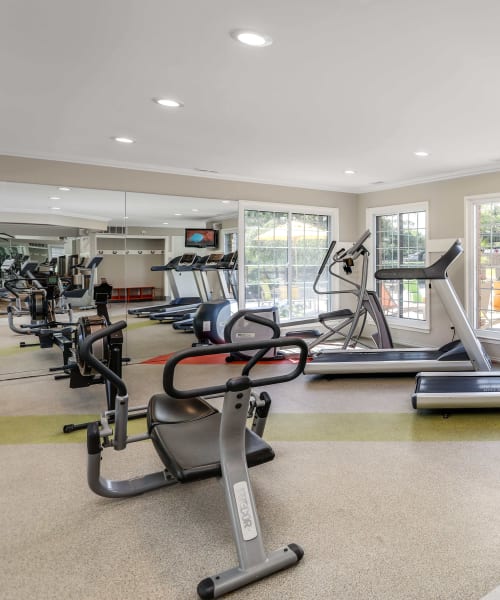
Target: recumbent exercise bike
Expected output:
[195,441]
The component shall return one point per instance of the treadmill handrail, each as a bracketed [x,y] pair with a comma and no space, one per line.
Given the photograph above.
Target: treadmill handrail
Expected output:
[437,270]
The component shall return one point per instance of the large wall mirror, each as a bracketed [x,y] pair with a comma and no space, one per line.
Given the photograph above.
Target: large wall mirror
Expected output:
[128,232]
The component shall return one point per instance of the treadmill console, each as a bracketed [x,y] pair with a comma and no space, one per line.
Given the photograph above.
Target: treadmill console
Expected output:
[215,258]
[187,259]
[28,267]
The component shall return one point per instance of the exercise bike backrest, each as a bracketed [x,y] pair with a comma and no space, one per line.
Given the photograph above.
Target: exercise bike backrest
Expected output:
[262,346]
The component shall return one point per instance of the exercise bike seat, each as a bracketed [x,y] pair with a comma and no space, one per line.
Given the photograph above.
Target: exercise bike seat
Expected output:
[162,408]
[190,449]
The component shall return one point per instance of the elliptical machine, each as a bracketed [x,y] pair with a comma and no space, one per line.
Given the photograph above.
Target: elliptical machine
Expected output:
[44,303]
[346,323]
[83,296]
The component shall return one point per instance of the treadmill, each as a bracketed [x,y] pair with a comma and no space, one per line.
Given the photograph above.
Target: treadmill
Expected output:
[437,391]
[224,266]
[198,265]
[467,355]
[177,263]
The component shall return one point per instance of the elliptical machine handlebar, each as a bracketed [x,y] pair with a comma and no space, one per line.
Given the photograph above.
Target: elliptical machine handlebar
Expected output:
[263,345]
[358,247]
[341,255]
[322,268]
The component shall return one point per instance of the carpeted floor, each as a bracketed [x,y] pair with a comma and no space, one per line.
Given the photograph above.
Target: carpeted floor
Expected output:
[389,504]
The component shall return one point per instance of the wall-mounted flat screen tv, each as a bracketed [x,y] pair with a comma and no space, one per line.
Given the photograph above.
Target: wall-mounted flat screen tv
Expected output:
[201,238]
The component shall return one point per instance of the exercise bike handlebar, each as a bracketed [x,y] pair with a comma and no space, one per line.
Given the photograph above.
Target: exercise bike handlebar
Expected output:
[168,371]
[88,356]
[264,345]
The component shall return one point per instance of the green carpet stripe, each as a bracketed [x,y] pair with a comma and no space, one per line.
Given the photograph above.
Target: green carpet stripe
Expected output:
[17,349]
[383,427]
[341,427]
[47,429]
[136,323]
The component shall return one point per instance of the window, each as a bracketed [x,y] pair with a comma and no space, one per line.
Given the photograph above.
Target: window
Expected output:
[399,239]
[230,241]
[282,251]
[483,263]
[56,251]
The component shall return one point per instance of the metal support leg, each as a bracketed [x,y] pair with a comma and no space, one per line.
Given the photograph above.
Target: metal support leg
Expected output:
[254,563]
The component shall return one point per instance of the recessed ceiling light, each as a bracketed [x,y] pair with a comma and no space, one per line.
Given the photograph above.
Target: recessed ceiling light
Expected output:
[54,198]
[64,189]
[225,201]
[350,172]
[166,223]
[195,210]
[421,153]
[55,207]
[178,214]
[251,38]
[124,140]
[205,170]
[168,102]
[125,217]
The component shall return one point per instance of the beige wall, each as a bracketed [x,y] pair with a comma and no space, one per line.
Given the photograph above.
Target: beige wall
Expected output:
[27,170]
[445,199]
[446,221]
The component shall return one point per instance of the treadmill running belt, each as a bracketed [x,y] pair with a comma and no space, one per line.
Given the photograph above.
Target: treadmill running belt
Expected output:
[384,356]
[448,383]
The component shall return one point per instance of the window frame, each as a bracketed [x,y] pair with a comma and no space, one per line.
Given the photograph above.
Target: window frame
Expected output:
[471,257]
[243,205]
[371,214]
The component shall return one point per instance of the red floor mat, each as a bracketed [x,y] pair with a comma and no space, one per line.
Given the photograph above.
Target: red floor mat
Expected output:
[214,359]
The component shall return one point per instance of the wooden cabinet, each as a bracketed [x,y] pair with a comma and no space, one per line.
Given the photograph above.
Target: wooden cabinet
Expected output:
[133,293]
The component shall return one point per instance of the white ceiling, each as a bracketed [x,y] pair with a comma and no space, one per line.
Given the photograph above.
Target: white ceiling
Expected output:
[347,84]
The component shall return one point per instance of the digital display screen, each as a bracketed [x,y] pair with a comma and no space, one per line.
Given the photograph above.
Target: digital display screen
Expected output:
[201,238]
